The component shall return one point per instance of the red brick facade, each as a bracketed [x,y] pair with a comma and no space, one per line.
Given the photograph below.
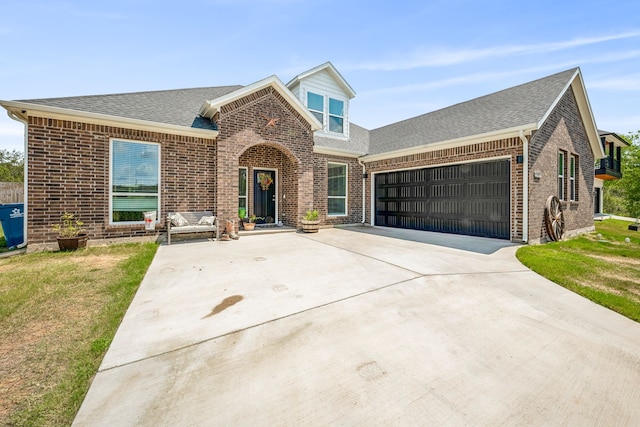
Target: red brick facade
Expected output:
[248,139]
[69,161]
[563,130]
[354,189]
[68,171]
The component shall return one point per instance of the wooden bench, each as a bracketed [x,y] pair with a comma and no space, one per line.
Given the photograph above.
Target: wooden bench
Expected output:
[192,222]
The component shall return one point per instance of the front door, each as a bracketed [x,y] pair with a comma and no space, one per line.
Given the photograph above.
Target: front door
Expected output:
[264,195]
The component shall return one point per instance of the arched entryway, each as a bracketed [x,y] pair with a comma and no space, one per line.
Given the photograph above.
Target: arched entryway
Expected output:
[268,184]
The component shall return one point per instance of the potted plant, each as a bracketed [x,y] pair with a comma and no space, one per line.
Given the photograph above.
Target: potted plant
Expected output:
[250,222]
[311,221]
[70,236]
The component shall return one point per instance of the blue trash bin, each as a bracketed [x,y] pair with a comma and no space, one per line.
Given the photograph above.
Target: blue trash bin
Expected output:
[12,218]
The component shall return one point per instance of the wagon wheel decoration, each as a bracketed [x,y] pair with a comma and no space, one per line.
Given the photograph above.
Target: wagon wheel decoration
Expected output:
[554,218]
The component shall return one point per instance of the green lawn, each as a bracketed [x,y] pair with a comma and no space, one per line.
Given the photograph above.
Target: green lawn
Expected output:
[605,269]
[59,312]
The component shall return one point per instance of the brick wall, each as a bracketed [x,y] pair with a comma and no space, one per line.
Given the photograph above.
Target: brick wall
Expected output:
[245,139]
[563,130]
[354,189]
[69,172]
[511,147]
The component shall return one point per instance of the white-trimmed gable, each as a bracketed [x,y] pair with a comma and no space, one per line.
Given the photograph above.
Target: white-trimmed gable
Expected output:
[326,94]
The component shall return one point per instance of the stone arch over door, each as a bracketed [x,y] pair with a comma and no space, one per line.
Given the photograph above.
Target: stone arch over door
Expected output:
[278,159]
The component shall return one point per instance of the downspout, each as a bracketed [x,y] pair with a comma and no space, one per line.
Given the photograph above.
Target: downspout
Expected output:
[525,187]
[26,128]
[364,187]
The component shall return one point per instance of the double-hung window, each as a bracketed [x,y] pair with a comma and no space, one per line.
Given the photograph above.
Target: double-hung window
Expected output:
[134,180]
[572,178]
[561,174]
[336,115]
[315,104]
[337,191]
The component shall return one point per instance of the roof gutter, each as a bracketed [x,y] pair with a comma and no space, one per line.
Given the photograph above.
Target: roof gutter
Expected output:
[23,120]
[458,142]
[525,186]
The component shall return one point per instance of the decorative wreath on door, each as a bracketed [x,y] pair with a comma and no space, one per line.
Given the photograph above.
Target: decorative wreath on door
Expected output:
[265,180]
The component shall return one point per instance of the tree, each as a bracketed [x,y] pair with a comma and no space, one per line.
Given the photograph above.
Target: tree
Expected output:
[623,196]
[631,174]
[11,166]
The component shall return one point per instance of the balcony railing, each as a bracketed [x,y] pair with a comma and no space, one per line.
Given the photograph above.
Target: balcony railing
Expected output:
[609,168]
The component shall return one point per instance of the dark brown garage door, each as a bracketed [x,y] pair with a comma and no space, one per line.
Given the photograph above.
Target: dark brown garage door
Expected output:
[471,199]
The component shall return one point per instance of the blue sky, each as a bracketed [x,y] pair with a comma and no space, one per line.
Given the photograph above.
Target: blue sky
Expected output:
[402,58]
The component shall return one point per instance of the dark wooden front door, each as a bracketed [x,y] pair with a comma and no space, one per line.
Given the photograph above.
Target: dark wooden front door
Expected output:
[264,195]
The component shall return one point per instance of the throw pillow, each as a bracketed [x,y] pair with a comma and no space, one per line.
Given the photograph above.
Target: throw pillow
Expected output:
[207,220]
[178,220]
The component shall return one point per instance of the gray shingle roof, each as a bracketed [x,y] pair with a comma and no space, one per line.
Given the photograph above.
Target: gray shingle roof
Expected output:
[177,107]
[358,140]
[517,106]
[513,107]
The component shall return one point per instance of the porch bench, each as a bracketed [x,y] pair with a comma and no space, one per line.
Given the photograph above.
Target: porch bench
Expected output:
[192,222]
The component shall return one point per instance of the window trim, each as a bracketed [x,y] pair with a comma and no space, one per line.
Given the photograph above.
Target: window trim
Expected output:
[312,110]
[246,189]
[561,168]
[326,116]
[335,115]
[346,190]
[572,178]
[112,193]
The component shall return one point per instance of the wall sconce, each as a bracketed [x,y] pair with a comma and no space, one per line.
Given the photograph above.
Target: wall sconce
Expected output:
[537,174]
[519,160]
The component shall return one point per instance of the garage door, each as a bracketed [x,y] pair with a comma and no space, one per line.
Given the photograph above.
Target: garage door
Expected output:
[471,199]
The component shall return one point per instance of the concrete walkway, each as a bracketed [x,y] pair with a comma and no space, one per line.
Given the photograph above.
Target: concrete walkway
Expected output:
[362,326]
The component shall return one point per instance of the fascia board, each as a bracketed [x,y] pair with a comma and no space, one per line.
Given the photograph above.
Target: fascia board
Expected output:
[584,107]
[458,142]
[587,115]
[334,73]
[276,83]
[105,119]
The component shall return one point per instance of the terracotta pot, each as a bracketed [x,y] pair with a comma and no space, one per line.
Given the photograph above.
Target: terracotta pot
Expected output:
[310,226]
[72,243]
[249,226]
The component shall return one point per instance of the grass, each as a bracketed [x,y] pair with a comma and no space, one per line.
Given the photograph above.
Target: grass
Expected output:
[58,314]
[604,269]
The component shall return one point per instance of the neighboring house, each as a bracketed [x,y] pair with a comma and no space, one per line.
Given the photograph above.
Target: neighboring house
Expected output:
[278,150]
[609,167]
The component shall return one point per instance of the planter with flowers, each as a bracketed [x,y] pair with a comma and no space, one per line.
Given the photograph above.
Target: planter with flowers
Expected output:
[249,223]
[70,236]
[311,221]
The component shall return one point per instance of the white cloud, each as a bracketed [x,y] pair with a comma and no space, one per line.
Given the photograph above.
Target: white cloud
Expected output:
[623,83]
[632,82]
[442,57]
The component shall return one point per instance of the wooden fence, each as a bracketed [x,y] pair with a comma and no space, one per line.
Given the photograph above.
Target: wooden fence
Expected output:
[11,192]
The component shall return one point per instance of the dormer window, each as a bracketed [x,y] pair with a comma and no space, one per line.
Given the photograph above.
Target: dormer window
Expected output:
[329,111]
[315,104]
[336,115]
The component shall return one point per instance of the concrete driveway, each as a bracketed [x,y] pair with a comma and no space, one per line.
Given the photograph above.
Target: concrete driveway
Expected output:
[361,326]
